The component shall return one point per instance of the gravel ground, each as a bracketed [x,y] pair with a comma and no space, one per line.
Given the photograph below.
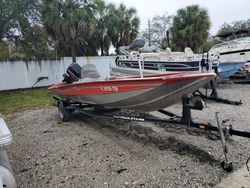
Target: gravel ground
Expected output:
[95,152]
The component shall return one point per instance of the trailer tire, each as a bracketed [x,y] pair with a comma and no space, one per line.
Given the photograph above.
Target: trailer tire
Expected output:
[63,113]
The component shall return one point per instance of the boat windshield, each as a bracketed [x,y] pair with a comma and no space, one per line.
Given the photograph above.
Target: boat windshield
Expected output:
[244,39]
[233,42]
[225,44]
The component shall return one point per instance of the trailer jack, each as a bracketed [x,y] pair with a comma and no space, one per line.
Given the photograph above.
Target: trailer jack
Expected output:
[226,164]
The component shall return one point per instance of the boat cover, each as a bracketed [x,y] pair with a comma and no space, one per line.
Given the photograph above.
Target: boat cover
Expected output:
[136,44]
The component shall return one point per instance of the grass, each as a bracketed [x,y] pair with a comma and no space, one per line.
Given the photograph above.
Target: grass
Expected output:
[12,101]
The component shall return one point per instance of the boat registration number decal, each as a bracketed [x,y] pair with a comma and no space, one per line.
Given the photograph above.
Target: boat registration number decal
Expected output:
[109,88]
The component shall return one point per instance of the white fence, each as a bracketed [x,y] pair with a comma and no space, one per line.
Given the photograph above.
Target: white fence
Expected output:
[24,74]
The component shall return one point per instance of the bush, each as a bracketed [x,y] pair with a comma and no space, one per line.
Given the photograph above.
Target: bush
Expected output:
[4,53]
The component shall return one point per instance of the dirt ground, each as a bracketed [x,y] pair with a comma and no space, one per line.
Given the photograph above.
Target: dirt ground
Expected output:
[96,152]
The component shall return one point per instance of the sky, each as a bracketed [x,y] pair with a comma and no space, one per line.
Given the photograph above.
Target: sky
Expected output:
[219,11]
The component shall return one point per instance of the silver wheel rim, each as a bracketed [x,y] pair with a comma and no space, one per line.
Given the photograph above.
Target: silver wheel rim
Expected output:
[60,111]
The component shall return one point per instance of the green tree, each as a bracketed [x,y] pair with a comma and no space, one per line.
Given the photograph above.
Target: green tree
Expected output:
[69,22]
[103,25]
[125,26]
[237,25]
[20,20]
[35,43]
[4,54]
[206,46]
[71,27]
[4,17]
[190,27]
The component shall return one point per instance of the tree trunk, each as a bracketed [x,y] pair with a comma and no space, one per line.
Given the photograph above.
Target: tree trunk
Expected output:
[102,51]
[73,53]
[168,43]
[117,48]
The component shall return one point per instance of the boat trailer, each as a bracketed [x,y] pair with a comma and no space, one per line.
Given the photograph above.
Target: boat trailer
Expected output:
[188,102]
[214,95]
[241,77]
[213,85]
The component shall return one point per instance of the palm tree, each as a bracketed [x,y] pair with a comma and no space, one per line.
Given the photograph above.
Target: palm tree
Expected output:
[113,25]
[125,25]
[129,24]
[103,14]
[190,27]
[69,22]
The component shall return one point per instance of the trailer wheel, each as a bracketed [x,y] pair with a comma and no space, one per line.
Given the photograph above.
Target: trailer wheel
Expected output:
[63,113]
[227,166]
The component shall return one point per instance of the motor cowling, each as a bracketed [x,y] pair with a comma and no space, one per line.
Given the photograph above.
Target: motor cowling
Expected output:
[73,73]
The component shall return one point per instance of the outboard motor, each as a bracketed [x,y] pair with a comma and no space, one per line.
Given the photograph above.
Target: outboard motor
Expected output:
[73,73]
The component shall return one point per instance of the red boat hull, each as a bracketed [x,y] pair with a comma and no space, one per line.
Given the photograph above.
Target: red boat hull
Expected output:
[150,93]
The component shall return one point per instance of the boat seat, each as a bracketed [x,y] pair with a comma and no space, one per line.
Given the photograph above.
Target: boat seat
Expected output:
[168,50]
[134,55]
[89,71]
[189,52]
[165,55]
[151,56]
[175,56]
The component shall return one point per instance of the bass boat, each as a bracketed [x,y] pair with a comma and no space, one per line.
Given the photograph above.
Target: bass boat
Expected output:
[146,93]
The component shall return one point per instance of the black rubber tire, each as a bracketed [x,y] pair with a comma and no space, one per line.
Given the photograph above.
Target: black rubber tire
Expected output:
[63,113]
